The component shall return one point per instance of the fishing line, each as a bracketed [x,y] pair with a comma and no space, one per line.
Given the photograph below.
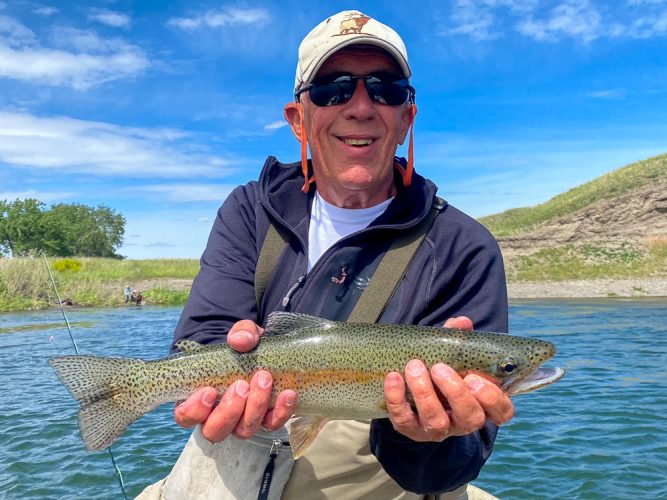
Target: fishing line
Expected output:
[76,349]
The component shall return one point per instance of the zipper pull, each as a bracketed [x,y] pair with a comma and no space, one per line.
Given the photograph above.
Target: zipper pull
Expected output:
[268,470]
[275,447]
[293,289]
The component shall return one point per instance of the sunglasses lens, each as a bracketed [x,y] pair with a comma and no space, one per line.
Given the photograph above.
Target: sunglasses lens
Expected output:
[340,90]
[330,94]
[388,92]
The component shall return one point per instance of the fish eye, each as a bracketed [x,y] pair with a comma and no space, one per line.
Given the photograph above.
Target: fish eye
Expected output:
[507,366]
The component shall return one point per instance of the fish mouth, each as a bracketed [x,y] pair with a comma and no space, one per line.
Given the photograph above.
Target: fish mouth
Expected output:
[540,377]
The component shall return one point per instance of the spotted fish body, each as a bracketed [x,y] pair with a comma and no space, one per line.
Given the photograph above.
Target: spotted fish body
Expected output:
[337,369]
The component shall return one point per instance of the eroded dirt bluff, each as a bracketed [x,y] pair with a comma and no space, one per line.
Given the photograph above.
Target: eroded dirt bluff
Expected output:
[630,220]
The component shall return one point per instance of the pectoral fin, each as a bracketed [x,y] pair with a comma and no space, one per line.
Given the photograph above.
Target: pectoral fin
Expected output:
[303,432]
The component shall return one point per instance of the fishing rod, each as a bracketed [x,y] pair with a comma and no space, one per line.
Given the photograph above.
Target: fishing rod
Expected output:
[76,349]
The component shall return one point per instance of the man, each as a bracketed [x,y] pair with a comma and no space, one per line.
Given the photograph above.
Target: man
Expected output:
[340,211]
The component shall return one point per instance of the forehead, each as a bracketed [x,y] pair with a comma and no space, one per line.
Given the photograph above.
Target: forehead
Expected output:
[359,60]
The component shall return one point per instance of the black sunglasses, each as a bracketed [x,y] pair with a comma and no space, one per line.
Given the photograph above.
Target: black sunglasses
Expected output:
[338,89]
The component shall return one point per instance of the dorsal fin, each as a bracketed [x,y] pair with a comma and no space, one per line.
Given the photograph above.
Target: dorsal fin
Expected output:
[280,323]
[188,345]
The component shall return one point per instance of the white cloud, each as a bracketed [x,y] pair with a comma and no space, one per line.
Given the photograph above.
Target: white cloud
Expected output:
[43,196]
[228,16]
[473,19]
[79,59]
[103,149]
[86,41]
[611,94]
[14,34]
[275,125]
[574,18]
[643,27]
[45,11]
[110,18]
[552,21]
[479,19]
[645,2]
[187,192]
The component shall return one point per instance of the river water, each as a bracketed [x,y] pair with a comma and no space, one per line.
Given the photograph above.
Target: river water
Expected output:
[598,433]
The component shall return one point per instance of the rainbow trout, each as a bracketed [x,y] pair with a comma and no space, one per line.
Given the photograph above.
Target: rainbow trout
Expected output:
[337,370]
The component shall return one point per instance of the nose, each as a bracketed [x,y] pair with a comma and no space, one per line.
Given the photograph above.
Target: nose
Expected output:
[360,106]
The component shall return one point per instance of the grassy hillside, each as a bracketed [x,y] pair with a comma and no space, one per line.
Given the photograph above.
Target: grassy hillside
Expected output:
[589,262]
[620,181]
[25,283]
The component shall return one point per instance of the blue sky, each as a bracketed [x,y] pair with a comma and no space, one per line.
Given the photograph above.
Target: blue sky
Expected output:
[159,109]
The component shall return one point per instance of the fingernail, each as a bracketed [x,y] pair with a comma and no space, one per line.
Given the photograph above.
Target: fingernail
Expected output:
[475,383]
[242,388]
[209,397]
[290,400]
[264,380]
[415,368]
[247,335]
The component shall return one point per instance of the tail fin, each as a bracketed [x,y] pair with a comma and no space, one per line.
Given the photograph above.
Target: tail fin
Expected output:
[101,387]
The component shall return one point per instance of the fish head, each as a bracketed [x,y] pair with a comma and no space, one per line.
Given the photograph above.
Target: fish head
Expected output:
[516,367]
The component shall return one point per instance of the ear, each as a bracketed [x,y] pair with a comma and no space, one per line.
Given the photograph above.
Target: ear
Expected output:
[407,120]
[293,117]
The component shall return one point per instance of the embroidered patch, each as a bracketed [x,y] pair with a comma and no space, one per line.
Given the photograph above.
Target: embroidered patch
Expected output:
[353,25]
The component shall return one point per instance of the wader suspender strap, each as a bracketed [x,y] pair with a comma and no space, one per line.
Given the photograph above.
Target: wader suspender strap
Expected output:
[385,279]
[391,269]
[273,246]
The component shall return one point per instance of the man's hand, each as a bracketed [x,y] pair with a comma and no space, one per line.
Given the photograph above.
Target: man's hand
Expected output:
[244,407]
[471,400]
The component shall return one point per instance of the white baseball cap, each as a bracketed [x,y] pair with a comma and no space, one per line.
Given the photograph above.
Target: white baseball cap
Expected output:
[340,30]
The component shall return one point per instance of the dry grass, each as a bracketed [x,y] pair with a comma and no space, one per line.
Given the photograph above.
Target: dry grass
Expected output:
[25,283]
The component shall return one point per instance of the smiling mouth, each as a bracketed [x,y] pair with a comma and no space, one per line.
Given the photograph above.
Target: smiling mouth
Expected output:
[357,142]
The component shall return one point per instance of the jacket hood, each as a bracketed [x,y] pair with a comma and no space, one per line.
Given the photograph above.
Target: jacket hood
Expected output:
[280,186]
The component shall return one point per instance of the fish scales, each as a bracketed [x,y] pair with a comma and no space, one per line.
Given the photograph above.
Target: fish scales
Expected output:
[337,369]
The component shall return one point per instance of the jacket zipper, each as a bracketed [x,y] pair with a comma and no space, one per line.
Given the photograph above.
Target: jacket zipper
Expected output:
[292,289]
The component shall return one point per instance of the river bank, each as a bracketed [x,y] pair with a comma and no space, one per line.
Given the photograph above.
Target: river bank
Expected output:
[597,288]
[88,282]
[594,288]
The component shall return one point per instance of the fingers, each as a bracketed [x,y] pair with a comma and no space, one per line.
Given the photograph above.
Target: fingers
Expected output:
[196,408]
[460,322]
[224,418]
[466,413]
[244,409]
[431,422]
[400,412]
[256,405]
[497,405]
[470,402]
[278,416]
[244,335]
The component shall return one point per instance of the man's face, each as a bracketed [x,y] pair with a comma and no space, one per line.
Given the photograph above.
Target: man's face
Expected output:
[352,145]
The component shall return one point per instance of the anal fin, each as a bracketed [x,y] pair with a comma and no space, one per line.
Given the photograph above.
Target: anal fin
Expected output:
[303,431]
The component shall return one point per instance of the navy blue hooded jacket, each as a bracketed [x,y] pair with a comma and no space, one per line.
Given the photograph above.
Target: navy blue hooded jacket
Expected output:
[457,271]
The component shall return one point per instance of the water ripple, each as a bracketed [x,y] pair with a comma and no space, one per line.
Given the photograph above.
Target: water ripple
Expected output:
[598,433]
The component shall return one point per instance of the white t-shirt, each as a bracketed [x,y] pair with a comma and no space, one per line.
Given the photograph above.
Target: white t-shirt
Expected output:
[329,223]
